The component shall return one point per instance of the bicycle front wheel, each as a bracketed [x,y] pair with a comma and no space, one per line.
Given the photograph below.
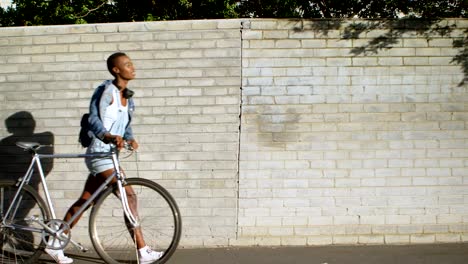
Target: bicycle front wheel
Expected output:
[158,216]
[20,235]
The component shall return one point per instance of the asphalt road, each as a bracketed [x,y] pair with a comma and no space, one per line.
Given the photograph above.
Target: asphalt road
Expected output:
[413,254]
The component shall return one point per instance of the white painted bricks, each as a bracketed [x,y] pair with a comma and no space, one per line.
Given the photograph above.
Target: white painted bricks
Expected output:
[359,139]
[334,148]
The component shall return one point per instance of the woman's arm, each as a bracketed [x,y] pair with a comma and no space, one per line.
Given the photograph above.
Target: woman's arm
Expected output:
[98,100]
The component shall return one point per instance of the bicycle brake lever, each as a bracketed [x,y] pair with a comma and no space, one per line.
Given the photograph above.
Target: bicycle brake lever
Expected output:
[128,146]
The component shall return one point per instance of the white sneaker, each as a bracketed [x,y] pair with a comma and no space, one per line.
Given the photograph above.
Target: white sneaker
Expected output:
[147,255]
[58,256]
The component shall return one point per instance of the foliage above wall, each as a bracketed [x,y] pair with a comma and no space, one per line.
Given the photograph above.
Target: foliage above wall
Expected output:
[48,12]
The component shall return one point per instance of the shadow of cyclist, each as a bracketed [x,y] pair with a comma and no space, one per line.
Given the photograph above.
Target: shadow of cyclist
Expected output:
[14,162]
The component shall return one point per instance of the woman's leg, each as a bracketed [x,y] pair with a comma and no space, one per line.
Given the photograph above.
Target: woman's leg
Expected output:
[91,185]
[146,254]
[135,232]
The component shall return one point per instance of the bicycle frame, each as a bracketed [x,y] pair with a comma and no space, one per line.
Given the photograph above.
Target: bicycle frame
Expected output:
[36,162]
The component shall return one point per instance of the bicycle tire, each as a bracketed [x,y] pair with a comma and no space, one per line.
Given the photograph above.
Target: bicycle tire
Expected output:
[19,245]
[159,218]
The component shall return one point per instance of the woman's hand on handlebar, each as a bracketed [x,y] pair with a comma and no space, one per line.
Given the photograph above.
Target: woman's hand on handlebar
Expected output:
[114,139]
[120,142]
[132,144]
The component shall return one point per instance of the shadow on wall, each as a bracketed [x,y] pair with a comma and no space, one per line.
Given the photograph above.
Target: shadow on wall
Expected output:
[14,161]
[393,31]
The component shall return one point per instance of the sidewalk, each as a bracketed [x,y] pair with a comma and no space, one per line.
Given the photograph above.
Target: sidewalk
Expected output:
[412,254]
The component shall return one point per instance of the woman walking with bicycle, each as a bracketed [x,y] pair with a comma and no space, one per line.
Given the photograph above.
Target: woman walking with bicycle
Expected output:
[111,111]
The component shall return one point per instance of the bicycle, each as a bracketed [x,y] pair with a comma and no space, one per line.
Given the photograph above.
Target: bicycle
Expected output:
[29,223]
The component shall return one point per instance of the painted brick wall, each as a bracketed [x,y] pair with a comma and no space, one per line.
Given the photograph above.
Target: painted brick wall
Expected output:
[353,132]
[186,119]
[350,131]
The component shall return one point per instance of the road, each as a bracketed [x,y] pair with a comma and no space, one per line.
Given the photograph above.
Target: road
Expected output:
[413,254]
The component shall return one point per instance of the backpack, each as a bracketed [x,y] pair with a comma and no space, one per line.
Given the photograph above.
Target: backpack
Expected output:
[86,136]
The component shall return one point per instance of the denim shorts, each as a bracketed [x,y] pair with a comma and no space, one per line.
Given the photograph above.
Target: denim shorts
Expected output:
[97,164]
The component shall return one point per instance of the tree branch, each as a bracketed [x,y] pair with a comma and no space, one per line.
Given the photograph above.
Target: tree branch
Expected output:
[325,11]
[91,10]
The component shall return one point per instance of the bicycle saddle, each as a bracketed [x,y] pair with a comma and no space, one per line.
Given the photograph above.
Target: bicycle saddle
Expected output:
[28,145]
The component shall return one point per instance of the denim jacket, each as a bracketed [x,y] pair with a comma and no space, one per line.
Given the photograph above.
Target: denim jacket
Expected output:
[95,122]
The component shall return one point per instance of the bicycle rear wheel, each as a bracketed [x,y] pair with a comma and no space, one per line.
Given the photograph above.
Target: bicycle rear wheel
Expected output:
[158,216]
[20,238]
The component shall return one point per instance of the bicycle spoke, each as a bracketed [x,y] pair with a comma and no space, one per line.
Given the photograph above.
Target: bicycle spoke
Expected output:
[19,243]
[157,215]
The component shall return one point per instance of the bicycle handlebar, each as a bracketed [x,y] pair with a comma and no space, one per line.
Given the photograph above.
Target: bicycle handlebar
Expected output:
[35,146]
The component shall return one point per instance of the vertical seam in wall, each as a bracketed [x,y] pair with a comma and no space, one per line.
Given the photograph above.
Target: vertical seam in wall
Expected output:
[239,131]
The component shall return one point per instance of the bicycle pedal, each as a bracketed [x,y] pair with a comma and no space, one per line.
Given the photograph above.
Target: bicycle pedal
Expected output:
[79,246]
[83,249]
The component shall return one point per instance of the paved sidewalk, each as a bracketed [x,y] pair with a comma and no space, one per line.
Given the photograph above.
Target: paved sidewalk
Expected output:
[414,254]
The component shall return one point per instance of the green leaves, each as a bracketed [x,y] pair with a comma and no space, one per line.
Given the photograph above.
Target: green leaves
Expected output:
[49,12]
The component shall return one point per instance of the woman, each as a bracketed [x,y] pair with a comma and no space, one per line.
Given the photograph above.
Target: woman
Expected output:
[111,111]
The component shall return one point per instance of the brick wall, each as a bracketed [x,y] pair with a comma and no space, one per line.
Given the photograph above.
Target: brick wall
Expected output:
[350,131]
[352,135]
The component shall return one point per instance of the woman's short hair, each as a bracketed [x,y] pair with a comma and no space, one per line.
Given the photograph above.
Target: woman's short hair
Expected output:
[111,61]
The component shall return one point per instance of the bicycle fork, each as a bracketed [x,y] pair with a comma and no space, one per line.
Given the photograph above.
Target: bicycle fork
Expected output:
[123,194]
